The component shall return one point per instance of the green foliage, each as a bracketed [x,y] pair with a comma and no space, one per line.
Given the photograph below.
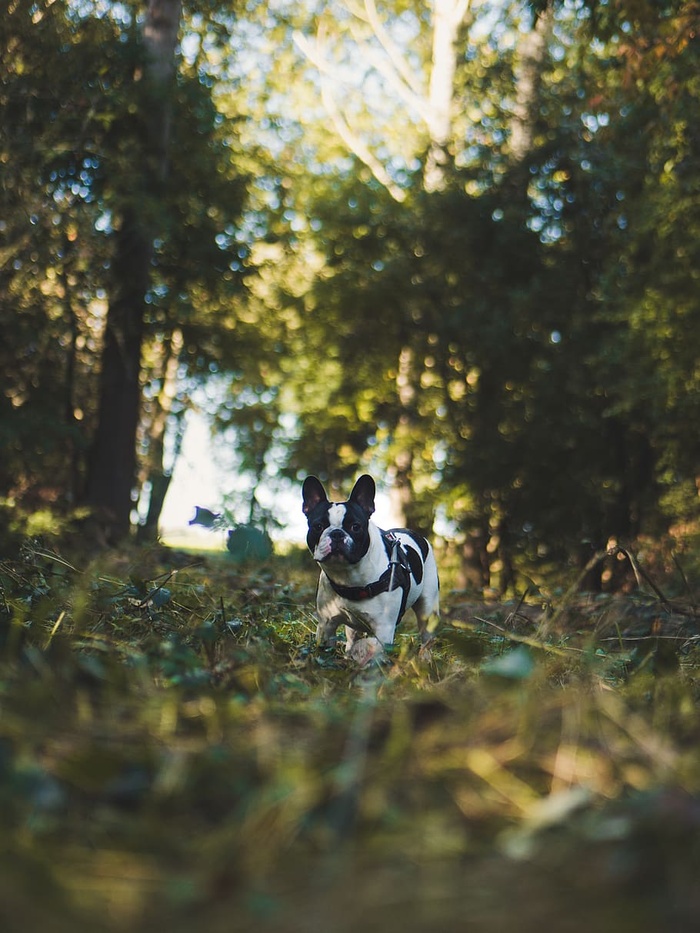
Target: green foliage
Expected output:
[247,543]
[75,125]
[512,346]
[545,401]
[175,734]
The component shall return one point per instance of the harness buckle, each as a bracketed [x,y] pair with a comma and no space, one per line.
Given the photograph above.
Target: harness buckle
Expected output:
[394,557]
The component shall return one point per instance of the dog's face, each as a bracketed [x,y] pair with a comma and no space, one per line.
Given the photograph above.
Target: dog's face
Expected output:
[338,531]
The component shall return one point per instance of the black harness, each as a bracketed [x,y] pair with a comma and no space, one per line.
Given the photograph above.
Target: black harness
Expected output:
[398,574]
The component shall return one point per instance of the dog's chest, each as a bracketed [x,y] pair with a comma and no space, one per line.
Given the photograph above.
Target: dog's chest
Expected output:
[391,572]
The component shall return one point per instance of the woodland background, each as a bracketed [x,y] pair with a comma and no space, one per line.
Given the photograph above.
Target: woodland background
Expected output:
[455,244]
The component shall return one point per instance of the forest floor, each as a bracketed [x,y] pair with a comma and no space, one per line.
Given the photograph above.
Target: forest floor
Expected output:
[176,752]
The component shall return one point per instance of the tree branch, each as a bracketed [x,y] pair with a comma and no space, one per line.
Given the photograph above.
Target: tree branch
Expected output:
[413,100]
[342,127]
[395,57]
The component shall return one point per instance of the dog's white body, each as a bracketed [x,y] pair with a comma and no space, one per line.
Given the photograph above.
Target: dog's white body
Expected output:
[354,556]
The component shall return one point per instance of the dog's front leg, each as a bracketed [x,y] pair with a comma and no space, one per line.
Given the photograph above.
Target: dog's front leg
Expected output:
[365,649]
[350,638]
[326,629]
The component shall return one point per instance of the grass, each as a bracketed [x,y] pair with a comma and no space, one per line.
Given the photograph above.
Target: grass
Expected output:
[176,752]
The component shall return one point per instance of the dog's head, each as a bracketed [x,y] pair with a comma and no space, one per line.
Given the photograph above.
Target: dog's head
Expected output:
[338,531]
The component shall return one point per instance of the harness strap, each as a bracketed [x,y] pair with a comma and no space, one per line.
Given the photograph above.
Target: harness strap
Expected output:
[397,574]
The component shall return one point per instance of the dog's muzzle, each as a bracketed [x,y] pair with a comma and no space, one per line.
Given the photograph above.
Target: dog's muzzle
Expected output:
[340,546]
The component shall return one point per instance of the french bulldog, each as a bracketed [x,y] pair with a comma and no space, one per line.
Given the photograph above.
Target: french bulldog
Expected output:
[369,577]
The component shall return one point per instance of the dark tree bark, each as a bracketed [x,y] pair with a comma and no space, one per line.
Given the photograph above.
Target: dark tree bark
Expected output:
[113,460]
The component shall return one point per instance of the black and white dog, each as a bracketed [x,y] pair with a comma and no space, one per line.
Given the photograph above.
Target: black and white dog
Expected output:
[369,577]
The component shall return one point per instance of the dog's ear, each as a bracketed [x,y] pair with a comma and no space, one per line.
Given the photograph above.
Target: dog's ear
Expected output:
[363,493]
[313,493]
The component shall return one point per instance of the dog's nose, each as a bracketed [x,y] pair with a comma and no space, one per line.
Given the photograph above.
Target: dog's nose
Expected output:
[337,534]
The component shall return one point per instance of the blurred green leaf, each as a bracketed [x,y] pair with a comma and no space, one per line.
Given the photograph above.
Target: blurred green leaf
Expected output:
[516,664]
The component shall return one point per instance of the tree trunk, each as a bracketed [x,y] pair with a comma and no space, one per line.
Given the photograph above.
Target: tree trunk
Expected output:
[73,478]
[448,16]
[155,472]
[473,569]
[401,491]
[532,51]
[113,460]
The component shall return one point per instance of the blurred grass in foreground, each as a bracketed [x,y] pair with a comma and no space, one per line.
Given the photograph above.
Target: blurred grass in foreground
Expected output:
[175,752]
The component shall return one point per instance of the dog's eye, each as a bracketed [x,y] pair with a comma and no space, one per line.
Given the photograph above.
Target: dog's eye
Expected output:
[356,527]
[318,526]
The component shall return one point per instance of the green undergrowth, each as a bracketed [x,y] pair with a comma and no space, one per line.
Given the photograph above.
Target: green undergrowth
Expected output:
[175,750]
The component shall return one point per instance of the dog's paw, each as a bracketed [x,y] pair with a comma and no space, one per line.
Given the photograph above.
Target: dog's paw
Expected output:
[366,650]
[425,652]
[327,632]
